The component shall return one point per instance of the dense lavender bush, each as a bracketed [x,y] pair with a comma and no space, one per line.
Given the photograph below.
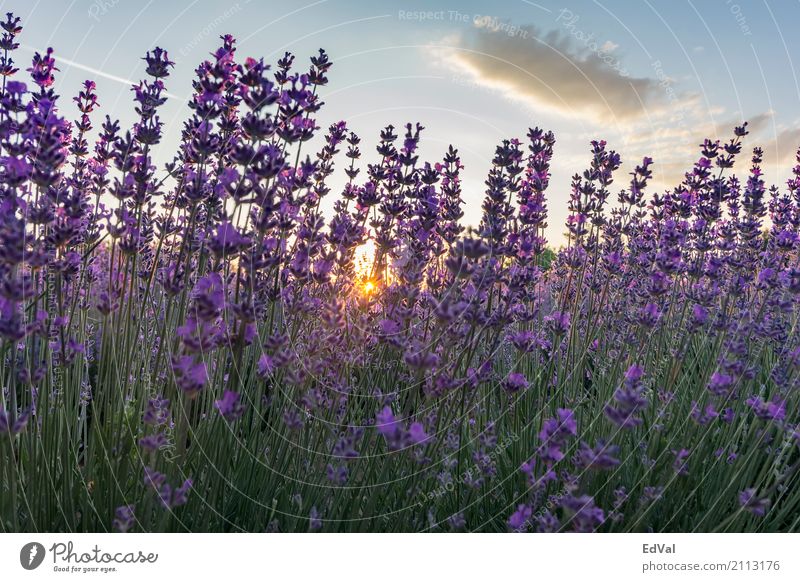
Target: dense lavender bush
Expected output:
[196,349]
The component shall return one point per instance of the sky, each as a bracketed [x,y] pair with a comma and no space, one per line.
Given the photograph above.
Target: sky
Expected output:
[651,77]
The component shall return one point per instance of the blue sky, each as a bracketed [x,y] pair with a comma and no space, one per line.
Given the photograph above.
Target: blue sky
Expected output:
[652,77]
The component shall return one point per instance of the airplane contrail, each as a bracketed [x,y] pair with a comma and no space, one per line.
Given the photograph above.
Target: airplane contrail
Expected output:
[99,73]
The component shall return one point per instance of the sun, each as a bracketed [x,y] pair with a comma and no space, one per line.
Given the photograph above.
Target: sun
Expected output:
[363,262]
[364,258]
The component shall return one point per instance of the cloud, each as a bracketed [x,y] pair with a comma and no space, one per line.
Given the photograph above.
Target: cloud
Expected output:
[567,72]
[609,46]
[788,144]
[563,70]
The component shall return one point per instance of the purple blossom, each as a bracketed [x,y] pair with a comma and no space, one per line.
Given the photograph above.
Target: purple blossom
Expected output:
[230,406]
[227,242]
[153,442]
[396,435]
[628,400]
[157,412]
[772,410]
[12,425]
[416,433]
[386,423]
[190,376]
[680,464]
[170,498]
[600,457]
[559,322]
[554,435]
[751,502]
[586,516]
[124,518]
[519,519]
[515,382]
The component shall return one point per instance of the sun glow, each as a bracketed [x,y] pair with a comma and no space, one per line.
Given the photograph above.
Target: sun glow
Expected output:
[363,265]
[364,258]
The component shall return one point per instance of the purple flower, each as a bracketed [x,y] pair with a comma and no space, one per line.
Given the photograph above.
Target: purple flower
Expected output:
[208,297]
[228,242]
[515,382]
[651,494]
[547,523]
[518,520]
[266,366]
[601,457]
[314,520]
[397,437]
[720,384]
[190,376]
[705,416]
[153,442]
[124,518]
[561,427]
[773,410]
[728,415]
[201,335]
[293,419]
[181,495]
[558,322]
[586,516]
[554,435]
[649,315]
[11,426]
[752,503]
[680,464]
[699,317]
[42,69]
[628,400]
[386,423]
[337,474]
[230,406]
[457,521]
[170,498]
[416,433]
[157,412]
[158,63]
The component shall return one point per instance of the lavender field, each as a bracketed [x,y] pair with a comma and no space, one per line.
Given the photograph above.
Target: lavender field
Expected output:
[199,346]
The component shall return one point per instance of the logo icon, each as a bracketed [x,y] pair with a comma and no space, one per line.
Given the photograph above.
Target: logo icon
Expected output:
[31,555]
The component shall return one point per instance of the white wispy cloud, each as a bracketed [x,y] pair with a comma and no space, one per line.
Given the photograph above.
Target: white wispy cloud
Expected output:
[556,70]
[569,74]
